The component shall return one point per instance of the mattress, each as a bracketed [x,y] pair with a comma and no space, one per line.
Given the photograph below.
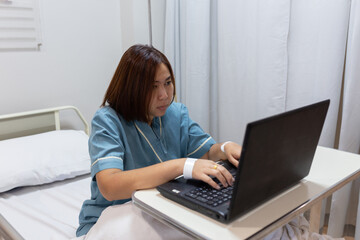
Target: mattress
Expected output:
[48,211]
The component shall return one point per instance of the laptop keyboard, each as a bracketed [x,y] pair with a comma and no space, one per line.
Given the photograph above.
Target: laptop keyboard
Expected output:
[211,196]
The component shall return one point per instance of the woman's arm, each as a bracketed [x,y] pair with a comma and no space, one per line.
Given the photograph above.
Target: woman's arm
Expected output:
[115,184]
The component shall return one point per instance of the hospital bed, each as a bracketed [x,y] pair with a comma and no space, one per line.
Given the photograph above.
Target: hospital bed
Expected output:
[44,174]
[40,198]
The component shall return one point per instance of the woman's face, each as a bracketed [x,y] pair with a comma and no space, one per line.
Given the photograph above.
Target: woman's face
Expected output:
[163,90]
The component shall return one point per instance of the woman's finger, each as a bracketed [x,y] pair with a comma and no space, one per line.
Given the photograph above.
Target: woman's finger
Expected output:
[233,161]
[216,173]
[205,178]
[222,174]
[227,175]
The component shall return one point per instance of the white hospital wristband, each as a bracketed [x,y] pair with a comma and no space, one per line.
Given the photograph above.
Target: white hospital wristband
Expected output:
[188,167]
[223,145]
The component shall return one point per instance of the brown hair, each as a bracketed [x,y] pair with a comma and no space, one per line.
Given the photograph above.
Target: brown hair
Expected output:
[131,87]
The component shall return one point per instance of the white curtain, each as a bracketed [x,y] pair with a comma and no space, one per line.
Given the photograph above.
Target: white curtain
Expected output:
[188,24]
[252,63]
[238,61]
[344,202]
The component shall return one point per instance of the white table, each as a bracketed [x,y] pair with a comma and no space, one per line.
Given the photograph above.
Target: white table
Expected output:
[331,169]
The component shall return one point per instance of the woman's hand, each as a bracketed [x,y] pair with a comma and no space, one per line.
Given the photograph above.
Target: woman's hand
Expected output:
[203,169]
[232,152]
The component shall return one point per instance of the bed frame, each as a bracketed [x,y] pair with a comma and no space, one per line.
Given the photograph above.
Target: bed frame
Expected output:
[34,122]
[25,124]
[7,232]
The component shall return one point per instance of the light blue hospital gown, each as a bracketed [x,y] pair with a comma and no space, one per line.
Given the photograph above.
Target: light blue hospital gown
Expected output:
[116,143]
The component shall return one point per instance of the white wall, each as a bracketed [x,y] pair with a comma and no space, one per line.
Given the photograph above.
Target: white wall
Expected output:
[83,41]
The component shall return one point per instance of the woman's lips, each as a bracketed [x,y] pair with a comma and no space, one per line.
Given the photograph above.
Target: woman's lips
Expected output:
[162,108]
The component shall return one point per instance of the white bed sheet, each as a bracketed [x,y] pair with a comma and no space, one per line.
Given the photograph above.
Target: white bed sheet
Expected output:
[48,211]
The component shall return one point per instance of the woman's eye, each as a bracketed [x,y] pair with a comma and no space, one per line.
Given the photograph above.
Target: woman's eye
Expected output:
[168,83]
[155,86]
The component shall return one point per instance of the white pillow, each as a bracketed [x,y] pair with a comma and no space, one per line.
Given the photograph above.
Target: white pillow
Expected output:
[43,158]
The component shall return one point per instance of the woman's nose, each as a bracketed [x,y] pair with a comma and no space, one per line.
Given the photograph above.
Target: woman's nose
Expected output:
[163,93]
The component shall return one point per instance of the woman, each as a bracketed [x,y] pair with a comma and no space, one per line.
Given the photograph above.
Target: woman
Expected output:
[141,138]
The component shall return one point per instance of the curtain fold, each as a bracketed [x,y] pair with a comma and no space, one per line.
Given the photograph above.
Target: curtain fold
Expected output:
[350,122]
[345,201]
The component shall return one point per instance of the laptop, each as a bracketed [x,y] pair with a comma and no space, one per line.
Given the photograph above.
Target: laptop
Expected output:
[277,153]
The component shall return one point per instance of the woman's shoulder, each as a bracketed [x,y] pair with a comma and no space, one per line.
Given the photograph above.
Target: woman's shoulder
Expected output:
[108,116]
[105,112]
[177,107]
